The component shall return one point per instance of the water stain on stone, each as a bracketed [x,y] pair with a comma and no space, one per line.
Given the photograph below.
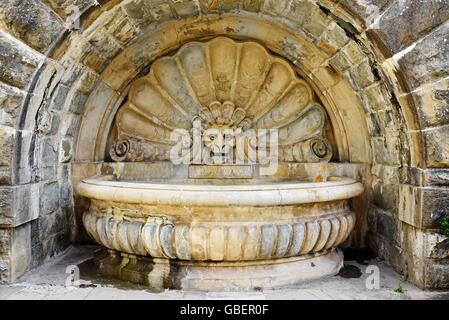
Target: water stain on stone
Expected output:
[89,271]
[350,272]
[361,256]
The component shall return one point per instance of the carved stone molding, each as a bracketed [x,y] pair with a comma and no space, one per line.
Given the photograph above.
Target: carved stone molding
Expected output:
[161,237]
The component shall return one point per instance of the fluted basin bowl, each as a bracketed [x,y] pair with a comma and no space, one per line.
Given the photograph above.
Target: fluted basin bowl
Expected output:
[215,230]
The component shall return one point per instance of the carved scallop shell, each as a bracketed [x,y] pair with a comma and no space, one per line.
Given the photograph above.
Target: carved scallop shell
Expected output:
[224,83]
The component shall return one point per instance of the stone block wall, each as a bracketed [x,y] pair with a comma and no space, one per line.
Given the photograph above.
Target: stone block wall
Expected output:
[391,54]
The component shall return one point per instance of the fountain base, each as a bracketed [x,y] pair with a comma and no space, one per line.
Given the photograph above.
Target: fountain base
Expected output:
[160,273]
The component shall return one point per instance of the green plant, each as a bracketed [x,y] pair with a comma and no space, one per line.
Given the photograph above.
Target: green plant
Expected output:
[399,288]
[444,226]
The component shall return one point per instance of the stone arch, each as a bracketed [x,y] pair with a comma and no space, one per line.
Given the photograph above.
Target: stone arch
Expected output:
[56,82]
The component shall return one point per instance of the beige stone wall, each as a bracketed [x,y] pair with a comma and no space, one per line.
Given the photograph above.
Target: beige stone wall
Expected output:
[380,68]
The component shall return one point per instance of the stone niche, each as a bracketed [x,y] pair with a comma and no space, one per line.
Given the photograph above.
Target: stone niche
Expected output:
[219,176]
[214,91]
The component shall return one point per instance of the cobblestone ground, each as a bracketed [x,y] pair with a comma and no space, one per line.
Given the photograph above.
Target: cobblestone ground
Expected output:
[48,283]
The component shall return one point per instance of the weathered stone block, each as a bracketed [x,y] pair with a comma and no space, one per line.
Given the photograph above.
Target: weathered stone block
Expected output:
[427,268]
[99,51]
[405,22]
[17,65]
[333,39]
[69,124]
[299,11]
[92,58]
[49,152]
[73,71]
[19,204]
[435,274]
[4,269]
[38,255]
[49,200]
[26,199]
[252,5]
[373,97]
[388,250]
[386,150]
[432,104]
[209,6]
[55,245]
[185,8]
[386,196]
[144,12]
[274,7]
[373,123]
[65,150]
[386,225]
[427,61]
[68,8]
[437,148]
[315,23]
[388,174]
[106,47]
[25,140]
[5,241]
[5,176]
[6,205]
[438,177]
[75,93]
[59,97]
[423,207]
[367,10]
[7,136]
[10,101]
[340,62]
[229,5]
[20,251]
[76,101]
[31,22]
[121,27]
[362,75]
[353,53]
[48,172]
[52,224]
[86,81]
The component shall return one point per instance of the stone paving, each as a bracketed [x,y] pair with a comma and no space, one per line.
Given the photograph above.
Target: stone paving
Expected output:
[48,283]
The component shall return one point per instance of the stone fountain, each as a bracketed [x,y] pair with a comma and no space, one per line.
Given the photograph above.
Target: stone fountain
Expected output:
[185,207]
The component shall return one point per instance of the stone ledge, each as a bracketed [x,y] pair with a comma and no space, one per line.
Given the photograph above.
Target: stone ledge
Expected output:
[428,177]
[19,204]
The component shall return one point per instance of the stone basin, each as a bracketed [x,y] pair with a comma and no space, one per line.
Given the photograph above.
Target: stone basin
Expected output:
[220,234]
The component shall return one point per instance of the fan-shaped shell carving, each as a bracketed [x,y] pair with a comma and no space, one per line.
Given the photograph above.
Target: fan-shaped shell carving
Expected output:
[222,83]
